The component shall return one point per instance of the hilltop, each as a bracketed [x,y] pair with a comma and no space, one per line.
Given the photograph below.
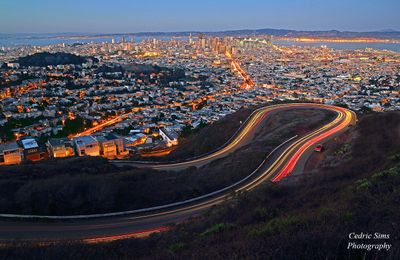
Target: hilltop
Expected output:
[45,58]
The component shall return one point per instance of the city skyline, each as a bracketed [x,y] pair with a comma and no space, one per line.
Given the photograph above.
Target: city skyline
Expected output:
[175,16]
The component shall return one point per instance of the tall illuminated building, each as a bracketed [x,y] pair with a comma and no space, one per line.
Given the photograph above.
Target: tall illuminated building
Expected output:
[190,39]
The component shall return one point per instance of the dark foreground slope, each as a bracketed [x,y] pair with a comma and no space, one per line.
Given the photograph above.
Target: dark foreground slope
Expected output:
[356,189]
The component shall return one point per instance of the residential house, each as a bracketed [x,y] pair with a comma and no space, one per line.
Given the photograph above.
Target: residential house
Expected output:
[60,147]
[86,146]
[32,151]
[169,135]
[135,140]
[111,146]
[10,153]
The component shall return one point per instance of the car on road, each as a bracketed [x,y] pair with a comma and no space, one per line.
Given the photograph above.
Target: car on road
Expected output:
[319,148]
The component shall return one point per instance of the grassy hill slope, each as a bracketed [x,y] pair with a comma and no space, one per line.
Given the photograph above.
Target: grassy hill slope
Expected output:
[309,219]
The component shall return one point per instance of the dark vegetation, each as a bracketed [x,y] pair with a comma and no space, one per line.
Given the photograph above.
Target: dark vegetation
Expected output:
[45,58]
[73,126]
[309,220]
[6,130]
[91,185]
[165,75]
[21,78]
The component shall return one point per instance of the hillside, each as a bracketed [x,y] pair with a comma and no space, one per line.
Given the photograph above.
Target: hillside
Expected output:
[213,136]
[311,219]
[45,58]
[72,185]
[209,138]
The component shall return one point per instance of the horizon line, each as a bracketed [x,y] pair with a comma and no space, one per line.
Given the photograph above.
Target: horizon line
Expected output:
[211,31]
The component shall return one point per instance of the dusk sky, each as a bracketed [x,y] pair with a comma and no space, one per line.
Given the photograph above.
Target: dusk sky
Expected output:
[103,16]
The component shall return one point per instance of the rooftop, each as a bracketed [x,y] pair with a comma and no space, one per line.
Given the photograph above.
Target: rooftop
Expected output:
[170,133]
[8,147]
[58,141]
[85,140]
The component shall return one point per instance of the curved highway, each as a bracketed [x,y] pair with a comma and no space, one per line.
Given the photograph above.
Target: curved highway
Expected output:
[242,137]
[288,158]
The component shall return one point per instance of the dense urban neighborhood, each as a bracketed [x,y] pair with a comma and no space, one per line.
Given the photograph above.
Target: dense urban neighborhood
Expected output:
[132,97]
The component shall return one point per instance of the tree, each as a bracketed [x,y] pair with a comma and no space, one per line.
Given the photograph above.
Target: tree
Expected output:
[365,109]
[186,130]
[73,126]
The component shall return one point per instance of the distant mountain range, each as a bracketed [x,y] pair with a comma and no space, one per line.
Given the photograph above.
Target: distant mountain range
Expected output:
[330,33]
[385,34]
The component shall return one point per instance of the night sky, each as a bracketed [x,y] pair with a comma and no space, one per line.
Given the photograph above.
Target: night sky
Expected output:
[101,16]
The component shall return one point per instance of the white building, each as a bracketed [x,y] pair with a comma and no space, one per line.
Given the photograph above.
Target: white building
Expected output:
[169,135]
[86,146]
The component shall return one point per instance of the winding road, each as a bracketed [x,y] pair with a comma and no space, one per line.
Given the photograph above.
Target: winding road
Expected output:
[288,158]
